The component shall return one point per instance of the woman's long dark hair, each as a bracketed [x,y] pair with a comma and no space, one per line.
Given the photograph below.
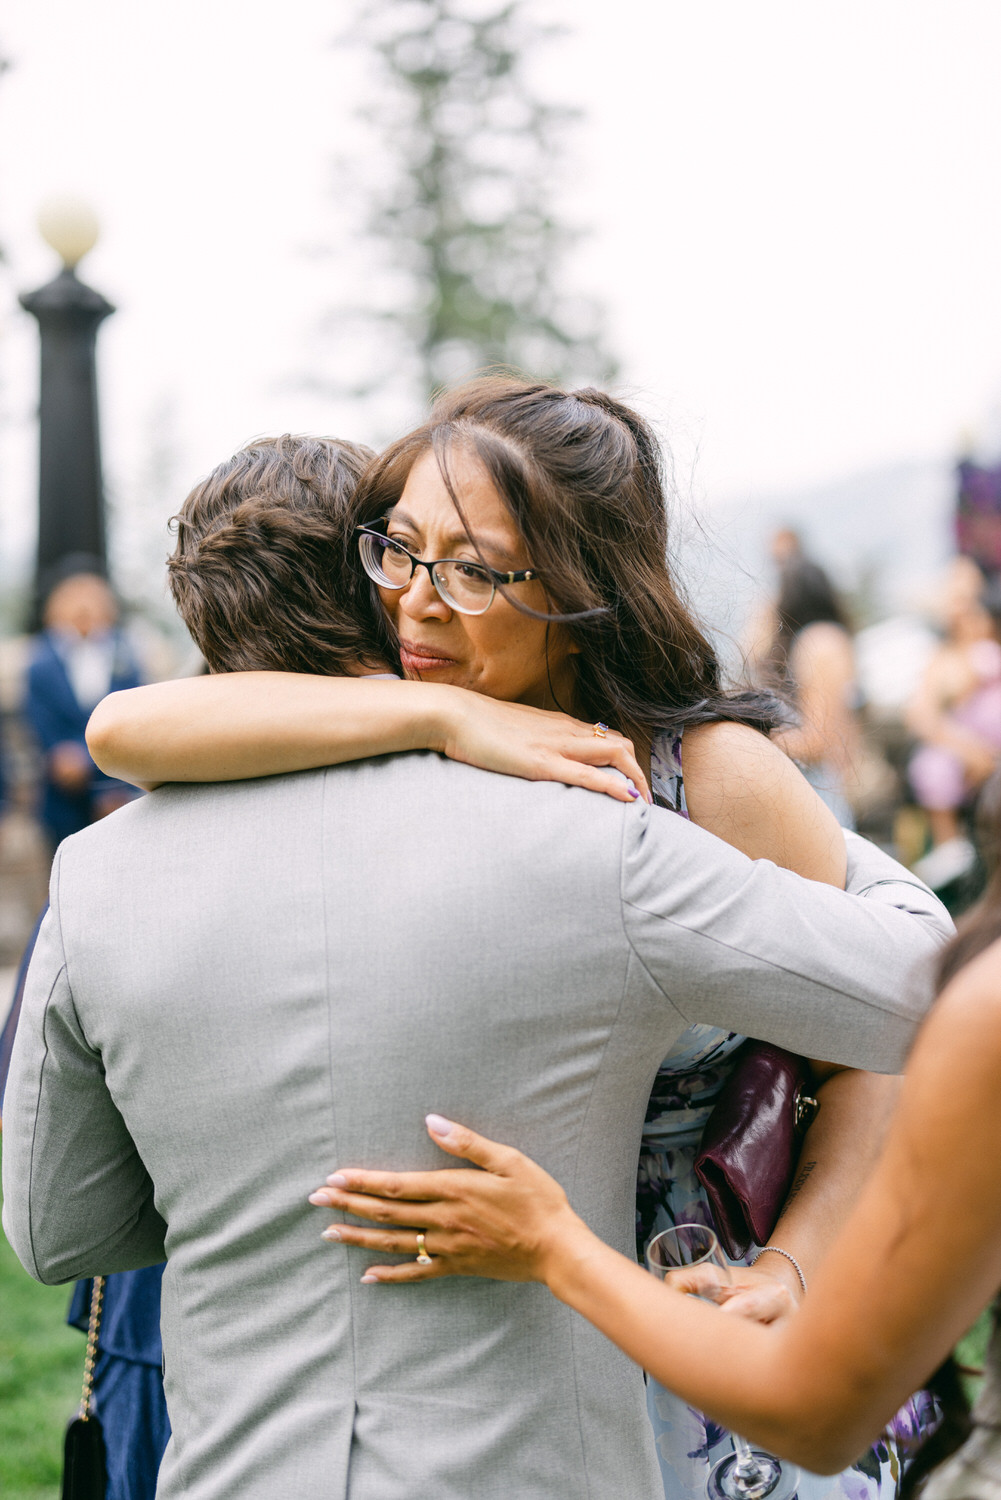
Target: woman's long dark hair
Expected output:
[978,930]
[581,475]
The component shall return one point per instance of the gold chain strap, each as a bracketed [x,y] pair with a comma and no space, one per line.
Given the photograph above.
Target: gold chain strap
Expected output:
[93,1329]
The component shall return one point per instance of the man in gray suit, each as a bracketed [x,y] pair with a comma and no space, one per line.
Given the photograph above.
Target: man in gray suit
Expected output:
[240,987]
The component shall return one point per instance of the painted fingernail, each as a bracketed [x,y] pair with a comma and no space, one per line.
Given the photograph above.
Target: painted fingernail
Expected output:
[438,1125]
[320,1198]
[333,1234]
[369,1280]
[632,792]
[337,1181]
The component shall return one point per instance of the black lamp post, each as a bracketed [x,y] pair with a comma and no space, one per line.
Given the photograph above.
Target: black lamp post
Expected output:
[69,313]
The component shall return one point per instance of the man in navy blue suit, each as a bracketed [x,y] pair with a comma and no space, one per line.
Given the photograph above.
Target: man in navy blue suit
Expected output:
[80,656]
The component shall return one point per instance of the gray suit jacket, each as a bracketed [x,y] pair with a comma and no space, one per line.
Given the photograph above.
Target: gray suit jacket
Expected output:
[241,987]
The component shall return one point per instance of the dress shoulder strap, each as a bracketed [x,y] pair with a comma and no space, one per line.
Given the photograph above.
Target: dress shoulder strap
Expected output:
[667,778]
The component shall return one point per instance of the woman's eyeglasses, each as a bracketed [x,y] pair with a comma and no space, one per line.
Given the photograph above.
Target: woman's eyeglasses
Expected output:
[467,587]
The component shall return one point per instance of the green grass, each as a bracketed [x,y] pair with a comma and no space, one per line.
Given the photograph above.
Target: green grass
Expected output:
[41,1369]
[971,1349]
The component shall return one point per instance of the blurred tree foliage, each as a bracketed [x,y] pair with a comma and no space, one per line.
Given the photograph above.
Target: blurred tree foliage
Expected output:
[465,252]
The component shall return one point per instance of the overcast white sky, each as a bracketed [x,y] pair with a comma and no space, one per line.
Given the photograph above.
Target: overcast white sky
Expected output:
[796,214]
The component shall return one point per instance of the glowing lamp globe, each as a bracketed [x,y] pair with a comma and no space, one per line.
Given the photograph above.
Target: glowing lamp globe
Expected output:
[70,226]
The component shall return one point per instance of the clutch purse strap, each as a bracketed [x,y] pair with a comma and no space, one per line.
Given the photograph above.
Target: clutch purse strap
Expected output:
[90,1358]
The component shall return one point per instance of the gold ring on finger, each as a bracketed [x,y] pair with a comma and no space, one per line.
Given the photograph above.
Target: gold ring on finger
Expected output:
[423,1258]
[600,730]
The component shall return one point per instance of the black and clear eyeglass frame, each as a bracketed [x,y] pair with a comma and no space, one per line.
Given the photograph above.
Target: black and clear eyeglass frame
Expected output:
[370,538]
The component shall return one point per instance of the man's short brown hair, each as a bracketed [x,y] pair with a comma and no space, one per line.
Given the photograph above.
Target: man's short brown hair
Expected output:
[263,573]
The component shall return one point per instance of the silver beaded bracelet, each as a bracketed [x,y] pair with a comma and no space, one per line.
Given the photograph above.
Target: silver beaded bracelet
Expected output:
[774,1250]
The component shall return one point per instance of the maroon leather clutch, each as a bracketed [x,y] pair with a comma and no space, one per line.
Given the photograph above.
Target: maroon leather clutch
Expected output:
[750,1145]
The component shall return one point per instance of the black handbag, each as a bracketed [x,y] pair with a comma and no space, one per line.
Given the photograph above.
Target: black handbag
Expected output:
[85,1470]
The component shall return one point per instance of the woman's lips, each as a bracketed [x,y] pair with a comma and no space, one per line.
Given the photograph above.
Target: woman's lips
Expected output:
[416,658]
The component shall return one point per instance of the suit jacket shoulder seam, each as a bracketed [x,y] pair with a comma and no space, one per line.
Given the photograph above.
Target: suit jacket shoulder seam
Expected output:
[623,903]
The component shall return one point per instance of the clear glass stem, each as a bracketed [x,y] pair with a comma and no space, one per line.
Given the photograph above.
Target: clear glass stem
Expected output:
[742,1448]
[752,1473]
[747,1464]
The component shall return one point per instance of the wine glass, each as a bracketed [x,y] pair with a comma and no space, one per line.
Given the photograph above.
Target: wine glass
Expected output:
[747,1473]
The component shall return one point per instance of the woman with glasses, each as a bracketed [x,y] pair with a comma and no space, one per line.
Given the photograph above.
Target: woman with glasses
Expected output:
[518,544]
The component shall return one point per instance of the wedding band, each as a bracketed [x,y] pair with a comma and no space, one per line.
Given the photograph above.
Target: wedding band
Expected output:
[600,730]
[423,1258]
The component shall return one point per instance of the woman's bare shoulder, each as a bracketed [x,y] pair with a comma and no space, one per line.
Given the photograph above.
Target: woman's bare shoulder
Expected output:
[734,761]
[743,788]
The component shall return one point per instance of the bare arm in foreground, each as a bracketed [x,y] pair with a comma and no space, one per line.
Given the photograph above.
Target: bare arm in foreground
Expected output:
[917,1260]
[237,725]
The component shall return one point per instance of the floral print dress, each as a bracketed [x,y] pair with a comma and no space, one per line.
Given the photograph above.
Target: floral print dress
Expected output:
[668,1193]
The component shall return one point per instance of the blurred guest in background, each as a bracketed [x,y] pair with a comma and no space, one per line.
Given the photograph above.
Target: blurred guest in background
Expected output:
[785,547]
[813,655]
[956,714]
[80,656]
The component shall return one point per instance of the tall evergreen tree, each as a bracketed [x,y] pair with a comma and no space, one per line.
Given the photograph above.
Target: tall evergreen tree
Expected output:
[464,252]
